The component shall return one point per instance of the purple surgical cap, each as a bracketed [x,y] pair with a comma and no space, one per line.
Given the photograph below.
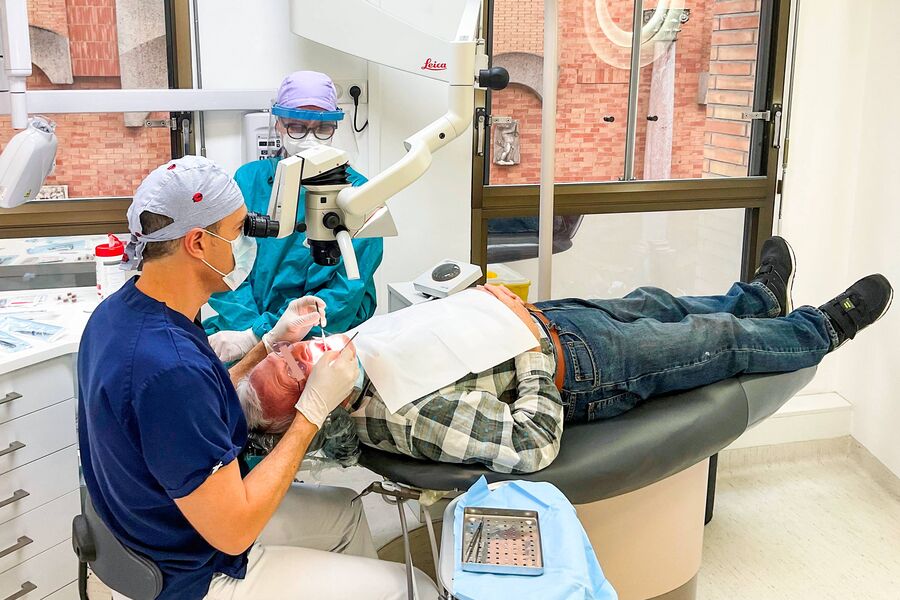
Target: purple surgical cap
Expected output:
[307,88]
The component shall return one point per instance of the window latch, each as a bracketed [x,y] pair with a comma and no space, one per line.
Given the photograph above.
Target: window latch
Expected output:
[167,123]
[765,115]
[482,122]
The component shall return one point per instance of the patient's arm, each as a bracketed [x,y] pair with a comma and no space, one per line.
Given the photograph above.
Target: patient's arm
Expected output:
[520,437]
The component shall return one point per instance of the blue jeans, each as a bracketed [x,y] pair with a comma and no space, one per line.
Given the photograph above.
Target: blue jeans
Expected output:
[621,351]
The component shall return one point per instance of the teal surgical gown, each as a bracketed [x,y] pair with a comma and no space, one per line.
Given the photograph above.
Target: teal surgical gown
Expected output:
[284,270]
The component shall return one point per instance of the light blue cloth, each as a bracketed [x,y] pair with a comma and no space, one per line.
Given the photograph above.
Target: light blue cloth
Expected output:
[285,270]
[571,570]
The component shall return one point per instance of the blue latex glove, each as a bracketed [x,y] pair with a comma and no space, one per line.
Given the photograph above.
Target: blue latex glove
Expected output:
[571,570]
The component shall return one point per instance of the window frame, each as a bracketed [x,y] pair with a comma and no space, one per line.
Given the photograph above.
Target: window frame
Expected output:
[755,193]
[90,216]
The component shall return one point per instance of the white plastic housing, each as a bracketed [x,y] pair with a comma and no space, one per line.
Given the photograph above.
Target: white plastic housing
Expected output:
[26,161]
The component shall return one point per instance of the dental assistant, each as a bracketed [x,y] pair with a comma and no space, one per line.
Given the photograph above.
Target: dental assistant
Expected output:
[161,428]
[307,114]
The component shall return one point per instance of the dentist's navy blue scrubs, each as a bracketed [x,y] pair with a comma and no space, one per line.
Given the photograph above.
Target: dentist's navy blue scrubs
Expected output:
[162,409]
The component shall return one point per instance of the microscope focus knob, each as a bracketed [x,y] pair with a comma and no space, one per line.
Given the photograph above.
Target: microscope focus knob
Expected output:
[331,220]
[300,228]
[495,78]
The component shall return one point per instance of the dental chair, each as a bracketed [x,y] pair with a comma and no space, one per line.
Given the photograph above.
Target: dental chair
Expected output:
[516,238]
[638,481]
[130,575]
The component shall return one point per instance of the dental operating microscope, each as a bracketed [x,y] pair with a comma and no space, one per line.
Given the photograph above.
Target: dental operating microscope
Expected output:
[336,212]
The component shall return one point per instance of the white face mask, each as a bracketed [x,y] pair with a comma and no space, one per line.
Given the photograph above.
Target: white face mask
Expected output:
[293,147]
[243,249]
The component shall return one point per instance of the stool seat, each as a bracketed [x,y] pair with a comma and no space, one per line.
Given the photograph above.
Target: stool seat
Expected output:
[602,459]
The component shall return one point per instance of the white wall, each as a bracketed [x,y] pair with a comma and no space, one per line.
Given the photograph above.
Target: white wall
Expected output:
[249,45]
[840,200]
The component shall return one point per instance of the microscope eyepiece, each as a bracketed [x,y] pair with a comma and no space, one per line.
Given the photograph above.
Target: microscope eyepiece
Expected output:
[260,226]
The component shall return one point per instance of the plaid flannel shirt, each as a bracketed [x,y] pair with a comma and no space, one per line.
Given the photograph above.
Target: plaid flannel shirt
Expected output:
[509,418]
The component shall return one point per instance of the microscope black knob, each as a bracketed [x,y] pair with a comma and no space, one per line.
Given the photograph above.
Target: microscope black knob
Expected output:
[300,228]
[331,220]
[495,78]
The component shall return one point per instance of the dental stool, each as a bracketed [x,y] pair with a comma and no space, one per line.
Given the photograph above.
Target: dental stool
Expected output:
[128,574]
[638,481]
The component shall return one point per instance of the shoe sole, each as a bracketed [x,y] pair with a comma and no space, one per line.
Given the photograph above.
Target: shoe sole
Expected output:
[789,300]
[886,306]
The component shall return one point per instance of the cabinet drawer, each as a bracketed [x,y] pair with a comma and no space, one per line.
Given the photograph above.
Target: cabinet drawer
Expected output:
[42,575]
[39,530]
[34,436]
[38,482]
[70,592]
[26,390]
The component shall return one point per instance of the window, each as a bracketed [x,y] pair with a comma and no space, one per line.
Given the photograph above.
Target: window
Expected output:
[696,79]
[92,45]
[686,123]
[95,45]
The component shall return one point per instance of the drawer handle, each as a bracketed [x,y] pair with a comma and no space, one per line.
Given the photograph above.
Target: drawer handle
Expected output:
[10,397]
[27,588]
[17,495]
[20,543]
[12,448]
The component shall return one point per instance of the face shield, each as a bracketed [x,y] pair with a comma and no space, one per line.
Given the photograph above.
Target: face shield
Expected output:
[303,128]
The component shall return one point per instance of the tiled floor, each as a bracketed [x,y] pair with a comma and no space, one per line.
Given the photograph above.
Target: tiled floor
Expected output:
[814,521]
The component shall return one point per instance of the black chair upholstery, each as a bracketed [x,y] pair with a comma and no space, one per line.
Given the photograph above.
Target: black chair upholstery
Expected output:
[118,567]
[516,238]
[603,459]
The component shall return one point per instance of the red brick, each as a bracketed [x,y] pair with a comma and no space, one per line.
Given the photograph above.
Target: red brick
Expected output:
[730,98]
[737,53]
[731,68]
[726,127]
[741,22]
[735,83]
[724,155]
[731,113]
[734,38]
[728,7]
[727,169]
[732,142]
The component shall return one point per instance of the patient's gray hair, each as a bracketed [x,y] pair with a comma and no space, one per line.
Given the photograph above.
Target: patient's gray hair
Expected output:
[253,411]
[250,403]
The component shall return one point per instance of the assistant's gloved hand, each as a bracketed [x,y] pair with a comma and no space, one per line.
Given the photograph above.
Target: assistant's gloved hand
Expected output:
[230,346]
[297,321]
[329,384]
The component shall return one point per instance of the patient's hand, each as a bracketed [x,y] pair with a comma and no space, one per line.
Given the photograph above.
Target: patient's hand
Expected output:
[515,304]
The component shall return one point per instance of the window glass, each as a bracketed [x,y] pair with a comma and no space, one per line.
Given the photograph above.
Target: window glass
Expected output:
[697,75]
[97,45]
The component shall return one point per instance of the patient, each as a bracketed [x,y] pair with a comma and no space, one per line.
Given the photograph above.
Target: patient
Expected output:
[592,359]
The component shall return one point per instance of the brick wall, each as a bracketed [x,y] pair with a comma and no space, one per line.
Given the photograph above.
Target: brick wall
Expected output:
[49,14]
[732,73]
[589,149]
[92,37]
[98,156]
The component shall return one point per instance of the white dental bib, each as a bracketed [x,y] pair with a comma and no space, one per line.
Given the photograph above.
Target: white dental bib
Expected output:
[420,349]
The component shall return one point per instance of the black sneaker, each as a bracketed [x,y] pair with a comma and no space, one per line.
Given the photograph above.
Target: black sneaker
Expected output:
[862,304]
[776,271]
